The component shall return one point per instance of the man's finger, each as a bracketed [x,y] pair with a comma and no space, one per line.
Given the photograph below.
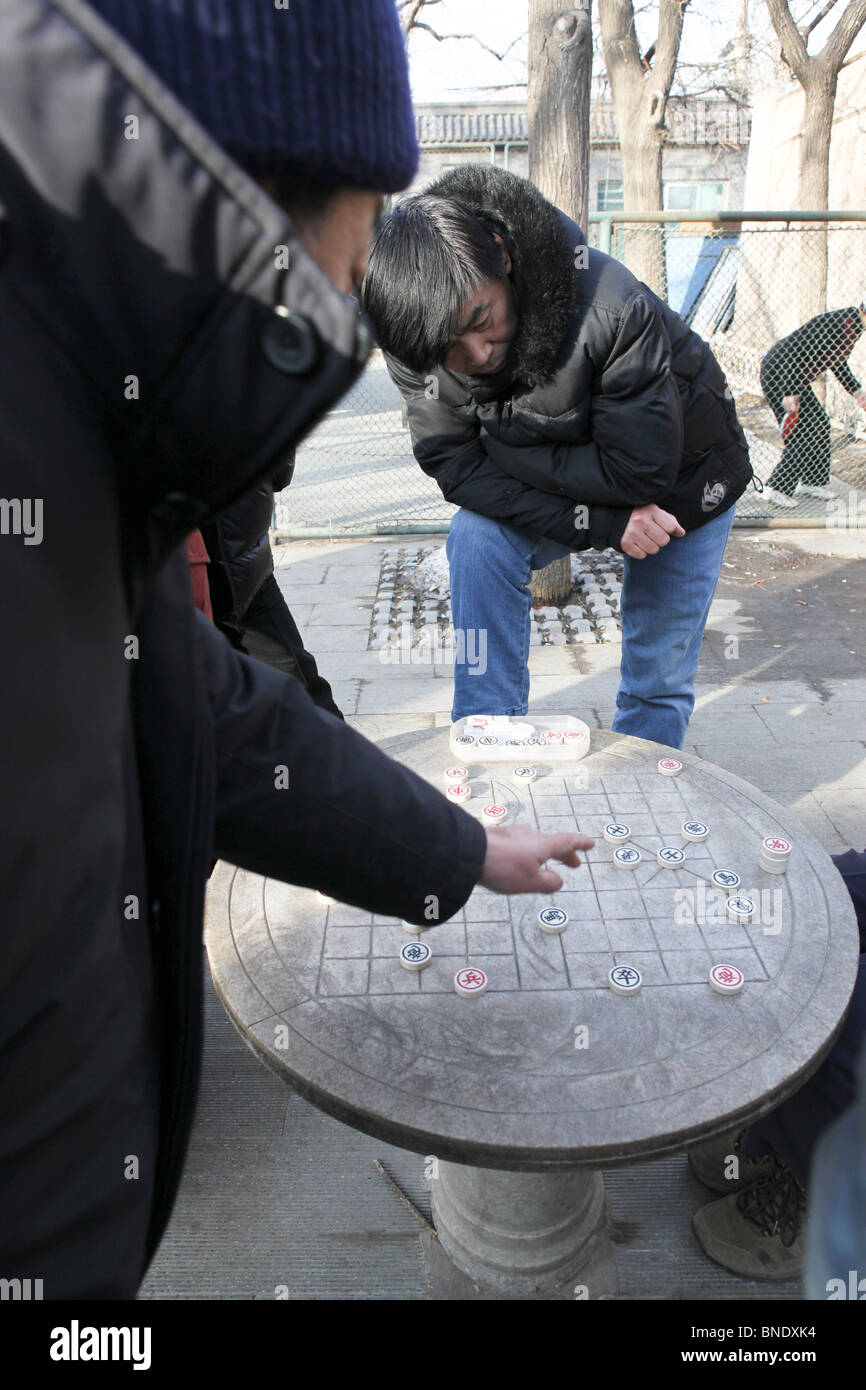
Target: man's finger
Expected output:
[565,845]
[666,520]
[631,544]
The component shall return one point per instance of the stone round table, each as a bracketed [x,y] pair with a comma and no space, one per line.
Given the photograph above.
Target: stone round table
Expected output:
[523,1094]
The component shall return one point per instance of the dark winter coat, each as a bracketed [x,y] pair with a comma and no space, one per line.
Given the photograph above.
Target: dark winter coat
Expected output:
[147,383]
[607,398]
[238,542]
[823,343]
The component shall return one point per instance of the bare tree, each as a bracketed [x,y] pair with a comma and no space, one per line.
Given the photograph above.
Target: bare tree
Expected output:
[641,86]
[560,72]
[560,76]
[818,75]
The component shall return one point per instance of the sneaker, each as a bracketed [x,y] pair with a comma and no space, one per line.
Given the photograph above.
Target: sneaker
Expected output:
[779,499]
[826,494]
[713,1161]
[760,1232]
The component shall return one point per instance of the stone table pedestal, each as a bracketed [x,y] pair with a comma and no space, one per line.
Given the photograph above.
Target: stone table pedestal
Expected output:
[524,1233]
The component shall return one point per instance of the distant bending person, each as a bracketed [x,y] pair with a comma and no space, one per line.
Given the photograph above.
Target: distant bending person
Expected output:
[792,364]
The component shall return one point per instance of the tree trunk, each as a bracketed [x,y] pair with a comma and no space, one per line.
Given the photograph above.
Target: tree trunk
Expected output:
[552,585]
[643,246]
[640,96]
[560,73]
[818,75]
[813,190]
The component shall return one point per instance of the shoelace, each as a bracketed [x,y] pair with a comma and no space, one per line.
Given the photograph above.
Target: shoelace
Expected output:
[773,1205]
[749,1160]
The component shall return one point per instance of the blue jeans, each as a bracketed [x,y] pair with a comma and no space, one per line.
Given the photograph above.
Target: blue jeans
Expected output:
[665,604]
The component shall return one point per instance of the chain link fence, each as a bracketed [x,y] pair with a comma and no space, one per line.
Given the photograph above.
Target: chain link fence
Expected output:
[777,298]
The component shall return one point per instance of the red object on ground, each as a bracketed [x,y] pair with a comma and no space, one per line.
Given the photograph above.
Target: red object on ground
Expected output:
[199,560]
[788,425]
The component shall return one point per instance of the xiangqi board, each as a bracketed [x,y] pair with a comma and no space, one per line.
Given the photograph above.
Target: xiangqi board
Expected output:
[551,1062]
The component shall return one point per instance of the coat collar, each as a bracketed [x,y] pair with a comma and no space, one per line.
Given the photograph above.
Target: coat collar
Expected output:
[161,271]
[542,244]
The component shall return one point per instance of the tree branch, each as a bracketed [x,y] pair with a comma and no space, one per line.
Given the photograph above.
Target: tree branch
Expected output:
[835,49]
[443,38]
[408,10]
[793,44]
[668,42]
[830,5]
[715,84]
[619,38]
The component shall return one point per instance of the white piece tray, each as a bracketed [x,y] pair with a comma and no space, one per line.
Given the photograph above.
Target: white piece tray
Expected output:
[522,751]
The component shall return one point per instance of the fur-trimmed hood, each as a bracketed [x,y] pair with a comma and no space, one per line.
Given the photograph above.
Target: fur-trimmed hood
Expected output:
[537,236]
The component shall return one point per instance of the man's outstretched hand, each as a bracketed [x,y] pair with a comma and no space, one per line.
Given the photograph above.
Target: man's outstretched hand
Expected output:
[649,528]
[516,854]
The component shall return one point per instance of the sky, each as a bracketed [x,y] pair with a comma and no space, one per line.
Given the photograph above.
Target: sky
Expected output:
[461,70]
[443,71]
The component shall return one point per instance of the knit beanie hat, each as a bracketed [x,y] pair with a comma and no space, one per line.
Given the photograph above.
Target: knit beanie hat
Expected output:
[312,90]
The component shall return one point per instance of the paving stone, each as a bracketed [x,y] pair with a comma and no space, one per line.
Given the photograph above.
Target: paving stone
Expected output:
[551,660]
[345,692]
[808,724]
[736,727]
[561,692]
[784,771]
[743,694]
[298,594]
[419,695]
[340,614]
[817,819]
[328,638]
[845,812]
[376,726]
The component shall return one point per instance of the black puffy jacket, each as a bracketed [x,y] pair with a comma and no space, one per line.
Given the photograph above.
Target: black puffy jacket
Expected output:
[238,543]
[608,400]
